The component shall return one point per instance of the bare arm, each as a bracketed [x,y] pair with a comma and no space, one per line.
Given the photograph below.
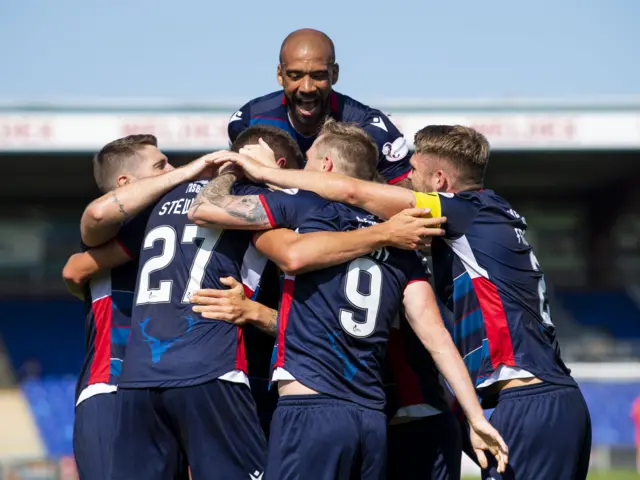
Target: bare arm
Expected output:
[102,218]
[379,199]
[214,206]
[297,253]
[82,266]
[233,306]
[424,317]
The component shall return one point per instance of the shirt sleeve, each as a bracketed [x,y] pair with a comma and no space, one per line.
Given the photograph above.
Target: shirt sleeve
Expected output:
[131,235]
[418,271]
[288,208]
[393,163]
[238,122]
[459,211]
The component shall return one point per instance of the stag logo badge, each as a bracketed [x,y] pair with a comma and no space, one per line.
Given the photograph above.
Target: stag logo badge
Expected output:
[159,347]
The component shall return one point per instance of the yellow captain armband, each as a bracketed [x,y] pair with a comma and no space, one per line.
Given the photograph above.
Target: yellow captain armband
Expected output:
[431,201]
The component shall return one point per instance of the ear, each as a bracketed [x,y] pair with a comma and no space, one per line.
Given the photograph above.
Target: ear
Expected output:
[281,162]
[280,75]
[442,181]
[327,164]
[336,74]
[123,180]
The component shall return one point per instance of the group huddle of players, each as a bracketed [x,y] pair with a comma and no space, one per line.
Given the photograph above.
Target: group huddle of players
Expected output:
[309,239]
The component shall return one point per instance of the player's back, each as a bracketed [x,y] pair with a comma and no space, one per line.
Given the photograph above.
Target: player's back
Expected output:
[334,323]
[170,345]
[487,274]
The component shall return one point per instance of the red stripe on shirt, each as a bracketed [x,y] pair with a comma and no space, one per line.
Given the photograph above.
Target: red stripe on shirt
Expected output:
[267,210]
[124,248]
[241,354]
[100,367]
[495,321]
[283,317]
[399,178]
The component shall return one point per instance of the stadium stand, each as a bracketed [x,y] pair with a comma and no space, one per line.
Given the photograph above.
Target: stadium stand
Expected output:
[613,311]
[52,405]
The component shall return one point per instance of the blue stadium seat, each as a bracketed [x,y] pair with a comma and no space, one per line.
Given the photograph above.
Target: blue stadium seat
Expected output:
[613,311]
[52,404]
[610,408]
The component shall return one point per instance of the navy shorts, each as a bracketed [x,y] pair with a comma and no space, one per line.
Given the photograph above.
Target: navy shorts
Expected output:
[214,424]
[548,431]
[428,447]
[317,437]
[93,430]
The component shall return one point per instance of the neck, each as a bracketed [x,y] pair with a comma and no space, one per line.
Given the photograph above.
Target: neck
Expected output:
[464,188]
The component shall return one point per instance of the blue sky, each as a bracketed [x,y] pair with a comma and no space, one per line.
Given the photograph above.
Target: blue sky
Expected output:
[199,49]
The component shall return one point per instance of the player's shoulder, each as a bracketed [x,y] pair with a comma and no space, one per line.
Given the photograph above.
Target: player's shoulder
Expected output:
[245,187]
[349,217]
[300,197]
[264,104]
[351,110]
[482,197]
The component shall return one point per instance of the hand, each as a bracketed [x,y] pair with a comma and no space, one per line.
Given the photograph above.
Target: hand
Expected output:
[485,437]
[254,170]
[410,229]
[231,305]
[230,168]
[260,152]
[204,167]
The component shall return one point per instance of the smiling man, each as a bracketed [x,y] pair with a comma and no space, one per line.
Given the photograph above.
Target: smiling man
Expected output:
[307,73]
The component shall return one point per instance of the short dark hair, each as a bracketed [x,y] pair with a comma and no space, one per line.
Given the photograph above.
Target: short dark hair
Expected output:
[282,144]
[115,158]
[466,149]
[356,151]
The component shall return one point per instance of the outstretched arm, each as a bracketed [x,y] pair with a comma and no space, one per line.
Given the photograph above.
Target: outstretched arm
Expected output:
[297,253]
[102,218]
[382,200]
[424,317]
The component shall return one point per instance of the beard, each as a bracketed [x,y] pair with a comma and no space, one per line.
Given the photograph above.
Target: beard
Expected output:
[308,111]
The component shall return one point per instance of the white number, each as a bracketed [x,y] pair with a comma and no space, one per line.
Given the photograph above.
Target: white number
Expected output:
[369,303]
[545,309]
[209,239]
[163,293]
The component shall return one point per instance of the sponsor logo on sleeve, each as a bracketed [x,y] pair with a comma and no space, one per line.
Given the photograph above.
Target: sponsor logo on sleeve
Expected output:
[378,122]
[395,151]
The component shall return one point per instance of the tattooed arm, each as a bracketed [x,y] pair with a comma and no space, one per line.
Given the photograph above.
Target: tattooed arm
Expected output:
[216,207]
[103,217]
